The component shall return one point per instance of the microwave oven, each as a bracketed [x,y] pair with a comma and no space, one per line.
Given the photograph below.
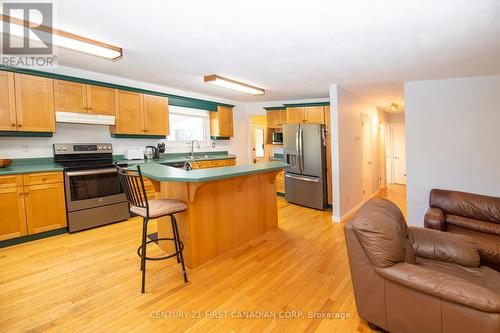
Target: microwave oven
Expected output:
[277,138]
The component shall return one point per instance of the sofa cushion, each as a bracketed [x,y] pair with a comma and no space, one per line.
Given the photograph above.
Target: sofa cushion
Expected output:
[475,206]
[382,232]
[488,245]
[473,224]
[444,246]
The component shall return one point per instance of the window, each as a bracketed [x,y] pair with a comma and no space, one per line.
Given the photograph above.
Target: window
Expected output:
[188,124]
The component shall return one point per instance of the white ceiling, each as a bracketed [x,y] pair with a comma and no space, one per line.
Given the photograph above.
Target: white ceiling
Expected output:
[293,49]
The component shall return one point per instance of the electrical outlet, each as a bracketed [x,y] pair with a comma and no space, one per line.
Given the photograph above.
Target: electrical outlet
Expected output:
[213,144]
[26,148]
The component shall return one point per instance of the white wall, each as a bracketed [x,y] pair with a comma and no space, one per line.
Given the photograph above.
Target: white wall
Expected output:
[13,147]
[347,154]
[452,139]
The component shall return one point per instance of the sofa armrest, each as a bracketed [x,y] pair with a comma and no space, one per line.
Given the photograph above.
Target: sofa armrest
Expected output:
[443,246]
[442,285]
[434,219]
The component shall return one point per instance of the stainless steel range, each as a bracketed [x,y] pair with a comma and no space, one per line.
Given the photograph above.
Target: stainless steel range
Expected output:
[94,196]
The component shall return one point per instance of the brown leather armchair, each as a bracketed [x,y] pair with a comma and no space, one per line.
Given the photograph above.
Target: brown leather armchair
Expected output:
[416,279]
[474,215]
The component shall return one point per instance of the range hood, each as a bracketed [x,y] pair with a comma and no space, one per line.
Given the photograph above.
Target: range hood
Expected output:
[84,118]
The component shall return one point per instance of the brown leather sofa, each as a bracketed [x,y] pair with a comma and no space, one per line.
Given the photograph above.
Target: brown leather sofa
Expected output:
[474,215]
[416,279]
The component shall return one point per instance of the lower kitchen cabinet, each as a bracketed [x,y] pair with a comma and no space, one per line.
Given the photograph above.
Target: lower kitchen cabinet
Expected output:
[12,213]
[45,207]
[31,206]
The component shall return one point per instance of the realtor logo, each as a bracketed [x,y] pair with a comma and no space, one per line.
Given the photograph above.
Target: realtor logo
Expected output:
[21,35]
[27,35]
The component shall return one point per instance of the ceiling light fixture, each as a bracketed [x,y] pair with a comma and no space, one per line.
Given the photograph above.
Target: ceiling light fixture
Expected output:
[233,84]
[66,39]
[395,107]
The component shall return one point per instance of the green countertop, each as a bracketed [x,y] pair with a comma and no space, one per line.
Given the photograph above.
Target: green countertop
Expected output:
[30,165]
[165,173]
[46,164]
[172,158]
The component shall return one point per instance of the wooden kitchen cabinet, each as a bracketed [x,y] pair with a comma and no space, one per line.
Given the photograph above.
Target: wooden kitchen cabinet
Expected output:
[83,98]
[129,113]
[34,103]
[213,163]
[70,96]
[314,115]
[31,203]
[295,115]
[280,182]
[275,118]
[100,100]
[140,114]
[156,115]
[221,122]
[12,213]
[45,207]
[8,121]
[305,115]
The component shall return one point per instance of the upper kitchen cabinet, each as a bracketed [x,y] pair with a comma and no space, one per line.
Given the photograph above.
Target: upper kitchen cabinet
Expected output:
[129,113]
[275,118]
[83,98]
[156,115]
[295,115]
[314,114]
[100,100]
[34,103]
[8,121]
[70,96]
[140,114]
[305,115]
[221,122]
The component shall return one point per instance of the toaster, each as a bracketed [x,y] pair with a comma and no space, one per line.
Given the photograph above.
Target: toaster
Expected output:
[134,154]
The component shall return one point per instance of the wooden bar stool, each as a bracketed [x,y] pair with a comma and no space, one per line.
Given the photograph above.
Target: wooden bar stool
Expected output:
[133,186]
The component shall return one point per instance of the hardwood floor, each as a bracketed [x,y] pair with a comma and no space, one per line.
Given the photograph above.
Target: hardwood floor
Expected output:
[90,282]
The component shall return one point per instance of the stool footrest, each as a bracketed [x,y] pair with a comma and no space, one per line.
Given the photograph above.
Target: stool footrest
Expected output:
[175,254]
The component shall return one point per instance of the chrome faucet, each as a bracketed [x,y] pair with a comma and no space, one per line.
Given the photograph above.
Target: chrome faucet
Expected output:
[192,148]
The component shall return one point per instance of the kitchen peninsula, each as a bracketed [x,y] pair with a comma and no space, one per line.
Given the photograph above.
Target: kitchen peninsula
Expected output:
[227,206]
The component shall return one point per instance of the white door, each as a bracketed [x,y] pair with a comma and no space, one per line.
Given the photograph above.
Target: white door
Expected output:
[367,158]
[398,154]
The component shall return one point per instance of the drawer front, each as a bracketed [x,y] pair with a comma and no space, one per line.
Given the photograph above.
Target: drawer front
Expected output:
[11,181]
[42,178]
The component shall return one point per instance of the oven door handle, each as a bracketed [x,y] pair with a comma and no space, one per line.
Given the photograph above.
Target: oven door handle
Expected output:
[91,172]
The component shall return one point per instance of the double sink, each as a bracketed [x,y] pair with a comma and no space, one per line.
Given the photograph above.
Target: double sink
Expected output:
[186,165]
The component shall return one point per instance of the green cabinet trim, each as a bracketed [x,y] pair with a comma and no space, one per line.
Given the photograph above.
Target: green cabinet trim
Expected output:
[299,105]
[137,136]
[219,138]
[174,100]
[272,108]
[26,134]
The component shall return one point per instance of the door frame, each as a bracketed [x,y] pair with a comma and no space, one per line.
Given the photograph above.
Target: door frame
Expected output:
[257,122]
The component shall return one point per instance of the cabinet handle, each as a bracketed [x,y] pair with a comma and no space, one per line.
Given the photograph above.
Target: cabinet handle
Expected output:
[13,125]
[89,109]
[19,125]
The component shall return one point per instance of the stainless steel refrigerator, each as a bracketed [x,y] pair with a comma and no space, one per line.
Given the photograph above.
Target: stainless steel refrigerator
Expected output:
[305,152]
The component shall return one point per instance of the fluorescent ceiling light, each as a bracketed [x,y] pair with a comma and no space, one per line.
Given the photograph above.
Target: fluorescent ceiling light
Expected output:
[65,39]
[233,84]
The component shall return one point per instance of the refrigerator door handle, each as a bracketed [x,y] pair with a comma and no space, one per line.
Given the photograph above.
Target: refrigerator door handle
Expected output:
[301,135]
[302,178]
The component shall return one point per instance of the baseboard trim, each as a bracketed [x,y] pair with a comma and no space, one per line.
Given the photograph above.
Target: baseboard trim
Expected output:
[347,216]
[29,238]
